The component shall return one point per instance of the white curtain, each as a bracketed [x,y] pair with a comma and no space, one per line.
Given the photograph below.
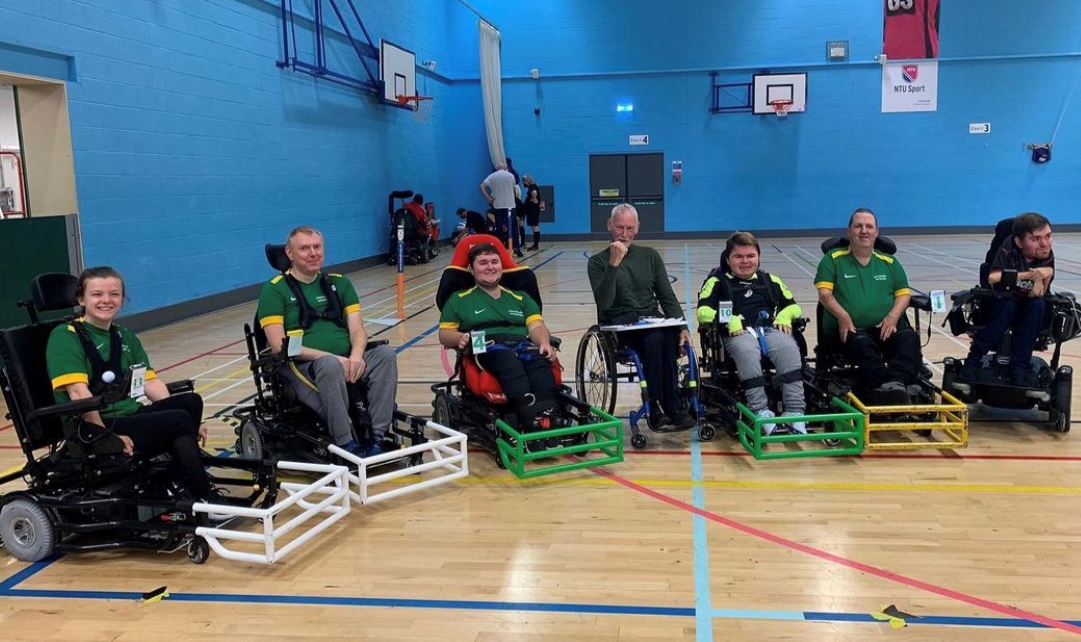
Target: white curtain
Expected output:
[492,91]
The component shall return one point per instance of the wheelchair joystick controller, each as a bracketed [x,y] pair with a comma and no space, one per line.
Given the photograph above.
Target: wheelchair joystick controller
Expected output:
[108,376]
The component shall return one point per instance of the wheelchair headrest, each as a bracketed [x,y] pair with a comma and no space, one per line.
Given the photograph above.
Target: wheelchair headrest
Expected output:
[401,193]
[54,291]
[1003,231]
[276,257]
[883,244]
[457,277]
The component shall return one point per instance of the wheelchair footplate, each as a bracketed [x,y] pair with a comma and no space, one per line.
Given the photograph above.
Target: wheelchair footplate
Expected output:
[597,440]
[941,424]
[833,434]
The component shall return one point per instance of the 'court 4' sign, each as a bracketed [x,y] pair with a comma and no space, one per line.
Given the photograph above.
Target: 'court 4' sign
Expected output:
[639,139]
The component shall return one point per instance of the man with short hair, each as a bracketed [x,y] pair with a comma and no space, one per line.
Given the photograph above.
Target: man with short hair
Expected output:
[532,209]
[334,356]
[865,295]
[1028,255]
[498,189]
[629,283]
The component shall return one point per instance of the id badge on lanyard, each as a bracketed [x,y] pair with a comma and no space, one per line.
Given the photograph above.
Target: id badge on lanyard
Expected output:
[138,380]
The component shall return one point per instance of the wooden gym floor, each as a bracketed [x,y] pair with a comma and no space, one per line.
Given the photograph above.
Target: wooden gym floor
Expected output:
[682,541]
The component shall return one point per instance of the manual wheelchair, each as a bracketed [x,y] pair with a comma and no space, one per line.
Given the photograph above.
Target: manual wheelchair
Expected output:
[929,412]
[1052,387]
[277,426]
[472,400]
[82,492]
[603,362]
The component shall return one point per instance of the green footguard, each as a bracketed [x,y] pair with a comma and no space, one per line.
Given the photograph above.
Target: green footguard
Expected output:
[840,433]
[607,441]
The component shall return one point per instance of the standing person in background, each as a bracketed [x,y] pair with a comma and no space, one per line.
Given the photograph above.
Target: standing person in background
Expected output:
[532,210]
[498,190]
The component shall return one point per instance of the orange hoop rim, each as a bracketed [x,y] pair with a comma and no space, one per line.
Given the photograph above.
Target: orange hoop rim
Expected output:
[781,107]
[405,100]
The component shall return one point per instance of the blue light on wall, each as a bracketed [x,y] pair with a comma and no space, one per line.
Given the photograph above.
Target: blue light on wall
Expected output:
[624,108]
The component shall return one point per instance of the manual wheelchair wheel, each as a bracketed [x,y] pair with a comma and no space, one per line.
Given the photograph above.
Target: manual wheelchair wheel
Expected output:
[595,368]
[26,530]
[706,432]
[639,441]
[198,550]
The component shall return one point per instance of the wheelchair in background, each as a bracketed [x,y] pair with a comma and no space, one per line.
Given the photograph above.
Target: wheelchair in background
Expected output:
[473,401]
[1052,388]
[418,244]
[82,492]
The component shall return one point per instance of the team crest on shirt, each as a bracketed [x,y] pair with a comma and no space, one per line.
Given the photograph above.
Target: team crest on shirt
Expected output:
[910,72]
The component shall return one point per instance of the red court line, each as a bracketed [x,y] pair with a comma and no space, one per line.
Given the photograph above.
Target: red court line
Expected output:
[3,428]
[882,573]
[948,455]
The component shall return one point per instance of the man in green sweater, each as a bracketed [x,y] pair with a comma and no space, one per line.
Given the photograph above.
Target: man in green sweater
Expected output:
[630,283]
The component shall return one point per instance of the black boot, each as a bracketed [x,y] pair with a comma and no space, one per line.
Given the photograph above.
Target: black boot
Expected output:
[536,242]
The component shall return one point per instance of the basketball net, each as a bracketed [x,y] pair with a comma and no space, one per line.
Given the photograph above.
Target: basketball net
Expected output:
[421,106]
[781,107]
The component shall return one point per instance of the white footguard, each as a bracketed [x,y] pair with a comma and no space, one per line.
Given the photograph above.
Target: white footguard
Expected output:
[449,457]
[322,502]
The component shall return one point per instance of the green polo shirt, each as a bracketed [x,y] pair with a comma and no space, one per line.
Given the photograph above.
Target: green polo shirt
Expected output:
[475,309]
[866,292]
[68,363]
[278,305]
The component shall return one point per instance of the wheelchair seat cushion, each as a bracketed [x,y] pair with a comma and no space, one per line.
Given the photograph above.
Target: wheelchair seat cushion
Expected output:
[483,384]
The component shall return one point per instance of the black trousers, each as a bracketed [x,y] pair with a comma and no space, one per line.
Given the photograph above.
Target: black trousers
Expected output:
[519,377]
[895,359]
[170,426]
[658,348]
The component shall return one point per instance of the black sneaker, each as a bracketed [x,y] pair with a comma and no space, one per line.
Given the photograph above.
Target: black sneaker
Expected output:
[216,496]
[660,421]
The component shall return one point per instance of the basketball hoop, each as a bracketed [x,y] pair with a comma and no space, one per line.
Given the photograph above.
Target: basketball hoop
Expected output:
[421,106]
[781,107]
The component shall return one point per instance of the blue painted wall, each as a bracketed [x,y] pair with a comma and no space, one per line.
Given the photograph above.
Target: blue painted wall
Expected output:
[811,171]
[192,149]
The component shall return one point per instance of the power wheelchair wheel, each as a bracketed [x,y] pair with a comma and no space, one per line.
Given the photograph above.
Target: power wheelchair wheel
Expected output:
[250,442]
[198,550]
[441,410]
[1061,404]
[639,441]
[26,530]
[596,372]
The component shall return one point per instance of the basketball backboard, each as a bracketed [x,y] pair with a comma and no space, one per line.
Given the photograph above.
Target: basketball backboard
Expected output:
[398,71]
[769,88]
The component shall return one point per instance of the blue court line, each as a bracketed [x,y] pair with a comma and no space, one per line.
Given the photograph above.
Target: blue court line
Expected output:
[318,600]
[25,574]
[534,607]
[703,590]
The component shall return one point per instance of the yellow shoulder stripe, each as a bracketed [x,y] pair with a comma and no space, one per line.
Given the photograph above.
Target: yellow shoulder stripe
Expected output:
[277,278]
[842,252]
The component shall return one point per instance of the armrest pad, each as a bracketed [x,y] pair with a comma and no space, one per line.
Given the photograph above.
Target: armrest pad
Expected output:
[69,408]
[177,387]
[920,301]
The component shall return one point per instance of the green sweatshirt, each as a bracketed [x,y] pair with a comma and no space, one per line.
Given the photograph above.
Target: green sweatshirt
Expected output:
[639,284]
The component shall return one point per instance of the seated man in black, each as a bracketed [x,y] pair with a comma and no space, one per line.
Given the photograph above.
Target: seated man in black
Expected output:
[1028,253]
